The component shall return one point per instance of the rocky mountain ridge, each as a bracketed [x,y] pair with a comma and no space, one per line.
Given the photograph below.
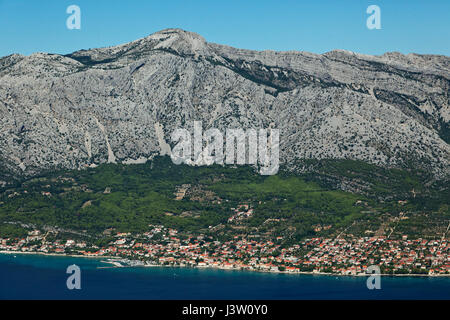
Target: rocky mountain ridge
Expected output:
[120,104]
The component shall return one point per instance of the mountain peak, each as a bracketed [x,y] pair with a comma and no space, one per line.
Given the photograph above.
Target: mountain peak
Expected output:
[179,40]
[176,32]
[100,104]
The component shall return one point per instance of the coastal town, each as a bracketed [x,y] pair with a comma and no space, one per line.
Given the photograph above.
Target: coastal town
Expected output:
[162,246]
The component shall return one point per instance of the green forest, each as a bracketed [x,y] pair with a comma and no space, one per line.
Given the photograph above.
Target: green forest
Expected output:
[130,197]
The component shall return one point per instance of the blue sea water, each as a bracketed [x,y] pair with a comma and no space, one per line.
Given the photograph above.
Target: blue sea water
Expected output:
[44,277]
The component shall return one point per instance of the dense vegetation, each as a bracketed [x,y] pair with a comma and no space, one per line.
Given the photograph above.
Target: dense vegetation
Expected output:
[130,197]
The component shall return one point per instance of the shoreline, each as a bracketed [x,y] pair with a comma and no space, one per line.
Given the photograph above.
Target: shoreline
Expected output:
[218,268]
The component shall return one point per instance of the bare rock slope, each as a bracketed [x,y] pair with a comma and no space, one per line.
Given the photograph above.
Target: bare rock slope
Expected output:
[120,104]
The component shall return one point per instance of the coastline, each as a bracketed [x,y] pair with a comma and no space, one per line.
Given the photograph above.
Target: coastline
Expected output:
[114,265]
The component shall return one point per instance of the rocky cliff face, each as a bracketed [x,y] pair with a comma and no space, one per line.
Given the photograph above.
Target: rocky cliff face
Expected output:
[120,104]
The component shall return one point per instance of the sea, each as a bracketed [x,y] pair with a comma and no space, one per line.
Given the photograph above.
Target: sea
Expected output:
[29,276]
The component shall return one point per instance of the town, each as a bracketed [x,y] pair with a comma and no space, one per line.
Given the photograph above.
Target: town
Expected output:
[162,246]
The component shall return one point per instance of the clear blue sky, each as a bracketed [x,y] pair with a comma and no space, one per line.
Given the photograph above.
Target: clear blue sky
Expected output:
[421,26]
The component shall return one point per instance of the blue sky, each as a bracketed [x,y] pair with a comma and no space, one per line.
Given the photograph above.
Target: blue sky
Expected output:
[421,26]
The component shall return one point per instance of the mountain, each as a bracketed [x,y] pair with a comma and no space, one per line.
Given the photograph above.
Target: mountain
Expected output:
[120,104]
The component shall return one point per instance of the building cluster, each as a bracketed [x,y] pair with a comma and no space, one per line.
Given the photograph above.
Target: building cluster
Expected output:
[353,256]
[164,246]
[242,212]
